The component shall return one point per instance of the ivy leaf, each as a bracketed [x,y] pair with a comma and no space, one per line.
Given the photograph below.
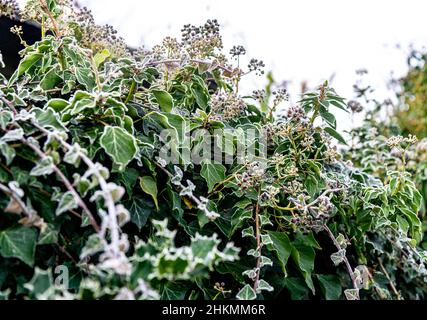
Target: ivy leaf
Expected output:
[49,118]
[48,236]
[164,99]
[119,145]
[50,80]
[335,134]
[296,287]
[67,202]
[8,152]
[213,173]
[43,167]
[330,285]
[283,247]
[139,211]
[101,56]
[264,285]
[5,118]
[303,256]
[19,242]
[149,186]
[25,64]
[246,293]
[40,282]
[86,77]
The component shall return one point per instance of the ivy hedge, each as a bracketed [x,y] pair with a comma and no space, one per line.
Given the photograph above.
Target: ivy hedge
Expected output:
[145,174]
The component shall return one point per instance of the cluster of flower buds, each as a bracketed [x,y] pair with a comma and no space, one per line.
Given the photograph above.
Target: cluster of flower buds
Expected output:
[293,187]
[237,51]
[324,208]
[229,106]
[10,9]
[98,37]
[203,40]
[296,114]
[269,194]
[251,177]
[256,66]
[280,95]
[259,95]
[397,141]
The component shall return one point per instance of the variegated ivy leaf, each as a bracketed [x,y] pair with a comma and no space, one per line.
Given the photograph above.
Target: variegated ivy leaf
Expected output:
[248,232]
[8,152]
[73,155]
[338,257]
[251,273]
[120,145]
[265,262]
[342,241]
[264,220]
[253,253]
[14,186]
[266,240]
[13,135]
[6,117]
[361,274]
[352,294]
[116,192]
[93,245]
[68,202]
[246,293]
[264,285]
[43,167]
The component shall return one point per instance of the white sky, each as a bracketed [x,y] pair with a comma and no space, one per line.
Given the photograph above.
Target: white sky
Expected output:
[300,40]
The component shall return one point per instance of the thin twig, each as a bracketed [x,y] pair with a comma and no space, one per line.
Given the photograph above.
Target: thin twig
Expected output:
[393,288]
[346,262]
[66,182]
[258,243]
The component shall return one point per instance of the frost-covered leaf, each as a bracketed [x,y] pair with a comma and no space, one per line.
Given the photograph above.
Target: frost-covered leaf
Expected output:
[264,286]
[43,167]
[48,235]
[8,152]
[13,135]
[68,202]
[5,118]
[164,99]
[246,293]
[338,257]
[248,232]
[352,294]
[119,144]
[266,240]
[93,245]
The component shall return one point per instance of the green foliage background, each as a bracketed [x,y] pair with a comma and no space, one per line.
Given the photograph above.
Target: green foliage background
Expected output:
[83,186]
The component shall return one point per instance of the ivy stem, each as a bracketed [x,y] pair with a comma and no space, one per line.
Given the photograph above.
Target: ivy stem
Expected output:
[258,243]
[67,184]
[170,61]
[346,262]
[393,287]
[52,19]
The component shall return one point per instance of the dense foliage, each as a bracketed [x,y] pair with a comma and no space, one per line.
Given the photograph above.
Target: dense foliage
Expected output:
[136,174]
